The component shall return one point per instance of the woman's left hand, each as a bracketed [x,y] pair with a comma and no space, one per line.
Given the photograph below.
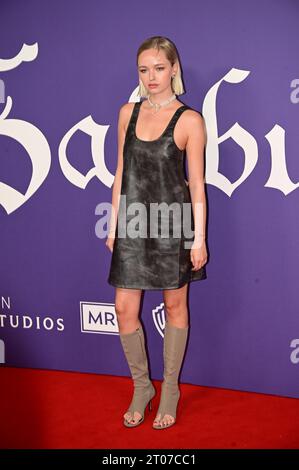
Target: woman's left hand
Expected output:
[198,255]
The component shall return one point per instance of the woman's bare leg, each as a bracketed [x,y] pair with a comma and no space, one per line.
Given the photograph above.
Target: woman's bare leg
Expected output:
[127,306]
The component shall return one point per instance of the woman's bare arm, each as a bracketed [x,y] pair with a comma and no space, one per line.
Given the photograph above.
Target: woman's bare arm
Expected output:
[121,132]
[195,157]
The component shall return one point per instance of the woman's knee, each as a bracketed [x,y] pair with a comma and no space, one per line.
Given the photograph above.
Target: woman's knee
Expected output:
[174,306]
[121,309]
[127,305]
[175,303]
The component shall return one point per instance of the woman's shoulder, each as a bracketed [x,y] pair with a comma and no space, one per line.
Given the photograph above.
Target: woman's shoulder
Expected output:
[125,111]
[192,116]
[126,107]
[192,111]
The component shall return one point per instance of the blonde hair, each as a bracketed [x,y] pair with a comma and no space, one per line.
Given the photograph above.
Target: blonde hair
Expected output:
[161,42]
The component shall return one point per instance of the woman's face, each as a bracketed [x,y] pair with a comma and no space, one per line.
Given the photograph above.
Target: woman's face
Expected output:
[155,68]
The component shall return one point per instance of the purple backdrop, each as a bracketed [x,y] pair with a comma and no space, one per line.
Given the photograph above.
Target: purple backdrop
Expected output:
[60,97]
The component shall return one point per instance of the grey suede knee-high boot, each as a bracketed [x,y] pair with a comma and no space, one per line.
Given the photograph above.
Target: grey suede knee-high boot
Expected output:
[175,340]
[135,352]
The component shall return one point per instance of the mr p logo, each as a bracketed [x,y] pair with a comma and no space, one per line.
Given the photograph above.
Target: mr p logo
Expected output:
[98,317]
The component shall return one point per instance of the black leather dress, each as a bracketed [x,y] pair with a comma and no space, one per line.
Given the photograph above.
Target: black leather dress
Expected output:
[153,172]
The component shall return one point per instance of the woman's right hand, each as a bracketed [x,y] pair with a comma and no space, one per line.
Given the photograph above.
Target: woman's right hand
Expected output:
[110,242]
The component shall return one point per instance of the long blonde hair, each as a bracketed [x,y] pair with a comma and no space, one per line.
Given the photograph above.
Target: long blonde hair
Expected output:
[161,42]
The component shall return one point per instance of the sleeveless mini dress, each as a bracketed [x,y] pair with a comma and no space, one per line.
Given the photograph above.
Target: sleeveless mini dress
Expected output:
[153,172]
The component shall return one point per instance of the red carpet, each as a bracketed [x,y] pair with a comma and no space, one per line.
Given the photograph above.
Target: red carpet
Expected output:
[54,409]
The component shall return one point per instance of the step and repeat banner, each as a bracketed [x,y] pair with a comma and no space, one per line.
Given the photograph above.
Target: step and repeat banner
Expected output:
[66,68]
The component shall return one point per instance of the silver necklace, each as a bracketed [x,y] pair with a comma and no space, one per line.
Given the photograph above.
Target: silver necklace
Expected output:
[157,106]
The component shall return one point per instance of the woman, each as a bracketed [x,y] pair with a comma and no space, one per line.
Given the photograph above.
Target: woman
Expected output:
[152,141]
